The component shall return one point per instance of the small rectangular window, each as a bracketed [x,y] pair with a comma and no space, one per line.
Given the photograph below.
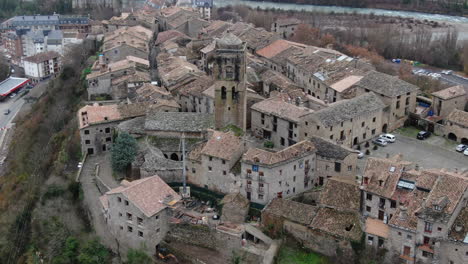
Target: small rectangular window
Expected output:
[139,221]
[129,229]
[140,234]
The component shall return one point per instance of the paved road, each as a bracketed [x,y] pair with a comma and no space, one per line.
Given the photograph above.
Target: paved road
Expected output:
[424,153]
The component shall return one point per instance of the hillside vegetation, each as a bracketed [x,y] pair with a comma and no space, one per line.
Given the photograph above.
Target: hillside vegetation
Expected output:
[41,214]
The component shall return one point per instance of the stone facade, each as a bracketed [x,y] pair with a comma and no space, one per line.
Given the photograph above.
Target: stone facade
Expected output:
[456,126]
[349,123]
[445,101]
[98,138]
[285,27]
[132,228]
[230,91]
[290,175]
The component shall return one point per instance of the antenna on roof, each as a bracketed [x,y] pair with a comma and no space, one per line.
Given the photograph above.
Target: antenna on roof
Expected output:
[184,190]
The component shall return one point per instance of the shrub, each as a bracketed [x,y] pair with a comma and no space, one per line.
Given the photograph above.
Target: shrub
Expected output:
[367,152]
[93,252]
[124,151]
[269,144]
[135,256]
[375,147]
[367,144]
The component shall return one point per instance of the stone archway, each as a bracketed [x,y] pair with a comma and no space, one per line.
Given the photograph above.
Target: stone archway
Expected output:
[355,141]
[464,141]
[174,157]
[384,128]
[452,136]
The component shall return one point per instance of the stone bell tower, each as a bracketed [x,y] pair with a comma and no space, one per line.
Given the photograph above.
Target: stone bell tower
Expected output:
[229,73]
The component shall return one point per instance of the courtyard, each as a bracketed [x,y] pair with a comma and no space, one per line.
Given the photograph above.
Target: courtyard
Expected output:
[434,152]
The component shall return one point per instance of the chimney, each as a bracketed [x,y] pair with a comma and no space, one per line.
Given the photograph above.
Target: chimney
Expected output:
[403,213]
[416,167]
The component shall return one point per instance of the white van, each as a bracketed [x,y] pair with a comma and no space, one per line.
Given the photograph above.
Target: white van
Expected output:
[388,137]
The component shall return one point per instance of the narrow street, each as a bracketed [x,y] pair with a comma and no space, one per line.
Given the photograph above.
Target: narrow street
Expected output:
[91,200]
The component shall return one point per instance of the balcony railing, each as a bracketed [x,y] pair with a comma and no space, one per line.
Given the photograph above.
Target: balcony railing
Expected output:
[261,178]
[248,188]
[261,190]
[248,176]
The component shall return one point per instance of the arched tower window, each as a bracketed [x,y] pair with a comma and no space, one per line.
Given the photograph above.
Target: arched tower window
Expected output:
[234,94]
[223,93]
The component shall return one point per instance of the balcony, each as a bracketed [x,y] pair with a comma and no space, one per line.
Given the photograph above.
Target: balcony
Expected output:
[261,178]
[248,188]
[427,248]
[261,190]
[248,176]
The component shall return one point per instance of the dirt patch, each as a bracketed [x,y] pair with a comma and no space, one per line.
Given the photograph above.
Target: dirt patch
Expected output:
[187,253]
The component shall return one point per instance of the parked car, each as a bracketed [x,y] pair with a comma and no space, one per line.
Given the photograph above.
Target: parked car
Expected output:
[461,148]
[380,142]
[423,135]
[12,95]
[360,155]
[465,152]
[388,137]
[448,72]
[6,112]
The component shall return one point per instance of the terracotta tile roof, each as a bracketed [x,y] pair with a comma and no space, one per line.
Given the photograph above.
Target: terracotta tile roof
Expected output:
[256,38]
[287,21]
[222,145]
[427,178]
[451,92]
[341,194]
[216,28]
[277,47]
[377,228]
[450,187]
[137,76]
[338,223]
[95,114]
[149,93]
[280,81]
[150,195]
[345,83]
[458,117]
[411,205]
[167,35]
[296,151]
[385,84]
[291,210]
[43,56]
[128,63]
[160,102]
[197,86]
[278,107]
[195,152]
[383,175]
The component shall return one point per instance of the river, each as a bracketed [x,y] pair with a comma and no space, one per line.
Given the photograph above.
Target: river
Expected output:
[350,10]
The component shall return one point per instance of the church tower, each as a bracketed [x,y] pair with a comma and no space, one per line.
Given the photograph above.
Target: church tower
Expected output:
[229,73]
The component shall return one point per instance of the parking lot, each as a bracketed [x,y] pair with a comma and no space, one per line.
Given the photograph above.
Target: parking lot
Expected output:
[434,152]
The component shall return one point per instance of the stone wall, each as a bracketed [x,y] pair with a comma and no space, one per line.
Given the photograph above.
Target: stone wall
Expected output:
[202,236]
[320,242]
